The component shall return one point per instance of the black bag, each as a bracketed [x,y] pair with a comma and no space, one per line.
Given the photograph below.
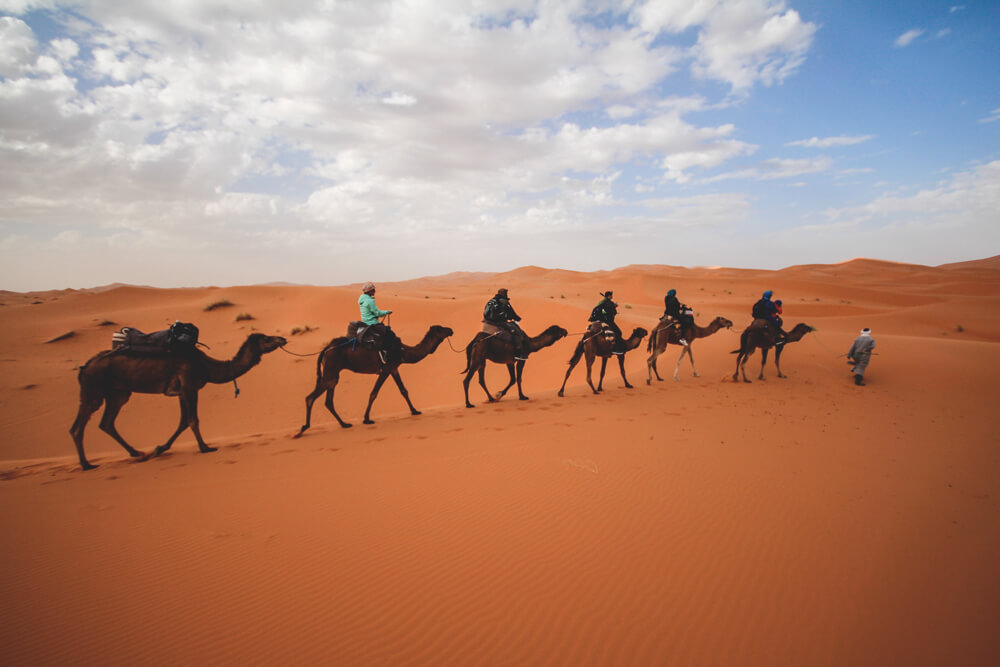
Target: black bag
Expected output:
[491,311]
[759,311]
[182,337]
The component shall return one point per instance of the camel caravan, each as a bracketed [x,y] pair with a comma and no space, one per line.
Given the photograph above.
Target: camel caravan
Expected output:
[170,363]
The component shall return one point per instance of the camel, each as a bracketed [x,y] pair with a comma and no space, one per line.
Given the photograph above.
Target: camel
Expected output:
[112,376]
[763,337]
[345,353]
[594,344]
[496,348]
[664,334]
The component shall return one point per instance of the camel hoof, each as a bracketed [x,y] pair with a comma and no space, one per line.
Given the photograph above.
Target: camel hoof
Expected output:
[206,449]
[415,413]
[696,375]
[649,382]
[749,381]
[628,386]
[89,466]
[136,454]
[560,394]
[523,398]
[345,425]
[368,421]
[469,405]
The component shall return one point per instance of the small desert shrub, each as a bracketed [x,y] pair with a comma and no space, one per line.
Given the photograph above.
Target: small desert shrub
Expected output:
[959,328]
[106,323]
[223,303]
[300,330]
[68,334]
[244,316]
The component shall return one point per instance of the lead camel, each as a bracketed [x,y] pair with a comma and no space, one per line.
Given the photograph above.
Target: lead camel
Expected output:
[764,338]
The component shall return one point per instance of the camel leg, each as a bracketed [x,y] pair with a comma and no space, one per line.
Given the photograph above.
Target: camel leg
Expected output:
[402,390]
[112,405]
[621,367]
[310,399]
[741,362]
[371,397]
[763,361]
[572,365]
[329,406]
[482,383]
[777,359]
[590,365]
[195,423]
[465,385]
[685,350]
[87,408]
[520,374]
[180,429]
[513,380]
[604,367]
[651,367]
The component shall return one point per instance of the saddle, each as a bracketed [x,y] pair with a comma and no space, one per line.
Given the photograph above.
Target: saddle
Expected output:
[179,339]
[602,329]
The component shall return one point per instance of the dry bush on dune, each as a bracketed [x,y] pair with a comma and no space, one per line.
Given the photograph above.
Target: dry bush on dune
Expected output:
[301,330]
[243,317]
[223,303]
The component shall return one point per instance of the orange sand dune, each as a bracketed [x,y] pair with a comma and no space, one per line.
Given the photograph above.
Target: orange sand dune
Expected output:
[797,521]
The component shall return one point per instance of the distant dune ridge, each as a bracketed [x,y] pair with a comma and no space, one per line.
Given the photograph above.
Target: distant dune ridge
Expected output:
[798,521]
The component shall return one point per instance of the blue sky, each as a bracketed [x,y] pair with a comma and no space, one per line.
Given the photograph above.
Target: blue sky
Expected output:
[211,142]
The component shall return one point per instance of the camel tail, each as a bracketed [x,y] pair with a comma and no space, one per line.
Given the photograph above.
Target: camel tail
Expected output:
[577,353]
[651,343]
[736,351]
[468,359]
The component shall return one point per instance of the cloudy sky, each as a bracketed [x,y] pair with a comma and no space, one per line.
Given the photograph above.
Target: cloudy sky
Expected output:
[197,142]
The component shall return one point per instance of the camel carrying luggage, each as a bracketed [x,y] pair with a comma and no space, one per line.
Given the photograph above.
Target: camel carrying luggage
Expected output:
[180,338]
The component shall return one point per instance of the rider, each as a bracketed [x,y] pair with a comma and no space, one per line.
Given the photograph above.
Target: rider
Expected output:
[377,334]
[768,311]
[605,312]
[501,314]
[679,313]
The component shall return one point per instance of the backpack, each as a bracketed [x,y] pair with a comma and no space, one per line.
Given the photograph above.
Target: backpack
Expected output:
[491,311]
[182,337]
[760,310]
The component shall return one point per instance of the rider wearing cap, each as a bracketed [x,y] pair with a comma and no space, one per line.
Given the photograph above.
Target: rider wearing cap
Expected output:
[375,333]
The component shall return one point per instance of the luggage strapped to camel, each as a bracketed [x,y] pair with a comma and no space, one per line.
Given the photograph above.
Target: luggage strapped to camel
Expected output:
[180,339]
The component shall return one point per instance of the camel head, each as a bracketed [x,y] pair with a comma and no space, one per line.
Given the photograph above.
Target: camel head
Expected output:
[640,332]
[800,330]
[556,332]
[264,343]
[723,323]
[440,332]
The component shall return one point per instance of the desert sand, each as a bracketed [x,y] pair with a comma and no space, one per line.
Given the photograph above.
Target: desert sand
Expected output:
[795,521]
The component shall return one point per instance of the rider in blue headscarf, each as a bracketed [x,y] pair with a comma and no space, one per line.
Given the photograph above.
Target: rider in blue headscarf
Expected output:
[766,310]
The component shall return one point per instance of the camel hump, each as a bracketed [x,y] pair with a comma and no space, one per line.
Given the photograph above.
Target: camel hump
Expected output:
[490,328]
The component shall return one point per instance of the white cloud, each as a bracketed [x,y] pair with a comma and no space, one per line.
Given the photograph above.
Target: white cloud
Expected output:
[745,42]
[907,37]
[777,168]
[992,118]
[18,47]
[830,142]
[969,201]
